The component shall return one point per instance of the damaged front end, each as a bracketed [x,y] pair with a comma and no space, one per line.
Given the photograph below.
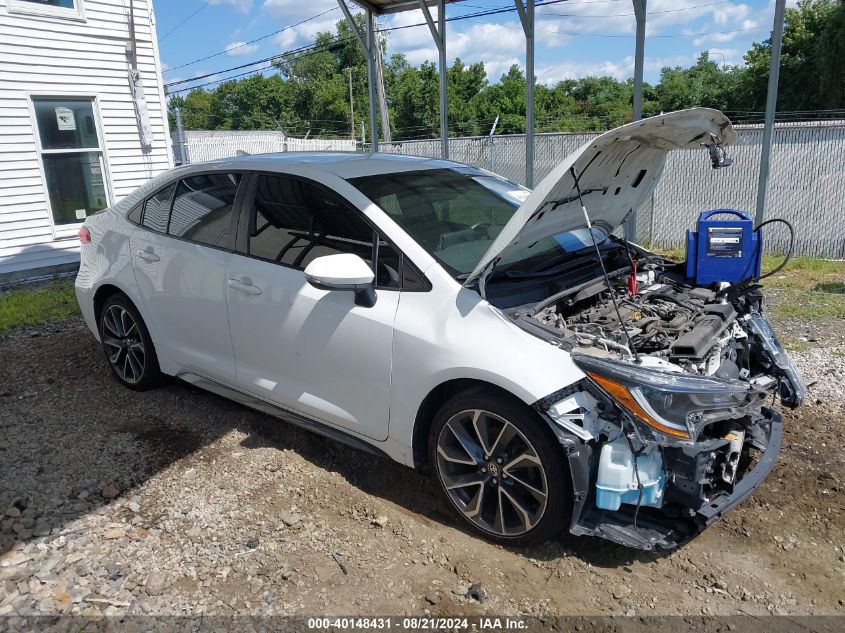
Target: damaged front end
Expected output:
[657,456]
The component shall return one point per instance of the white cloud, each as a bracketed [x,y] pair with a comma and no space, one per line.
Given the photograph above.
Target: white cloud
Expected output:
[550,74]
[496,68]
[729,13]
[241,48]
[239,5]
[287,13]
[621,70]
[726,56]
[493,44]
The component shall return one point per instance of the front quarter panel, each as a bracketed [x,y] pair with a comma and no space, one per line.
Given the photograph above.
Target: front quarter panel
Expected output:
[452,333]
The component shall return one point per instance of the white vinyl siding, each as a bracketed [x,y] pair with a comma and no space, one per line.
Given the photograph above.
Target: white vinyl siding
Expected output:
[54,56]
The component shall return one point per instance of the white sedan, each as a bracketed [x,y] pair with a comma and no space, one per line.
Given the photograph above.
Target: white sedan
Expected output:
[552,376]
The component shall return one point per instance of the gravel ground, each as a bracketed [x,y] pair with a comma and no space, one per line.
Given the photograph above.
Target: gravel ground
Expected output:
[179,502]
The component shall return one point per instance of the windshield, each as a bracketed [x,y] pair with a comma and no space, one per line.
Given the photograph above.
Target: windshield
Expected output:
[455,214]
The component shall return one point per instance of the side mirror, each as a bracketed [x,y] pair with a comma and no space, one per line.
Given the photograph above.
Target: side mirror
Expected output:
[343,271]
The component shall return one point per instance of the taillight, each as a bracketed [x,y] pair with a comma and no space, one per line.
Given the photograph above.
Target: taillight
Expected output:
[84,236]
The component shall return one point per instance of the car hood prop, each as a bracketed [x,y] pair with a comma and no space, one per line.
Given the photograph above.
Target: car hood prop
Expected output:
[617,171]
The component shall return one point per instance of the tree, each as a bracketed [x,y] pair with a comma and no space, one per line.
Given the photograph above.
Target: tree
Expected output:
[310,91]
[703,84]
[812,73]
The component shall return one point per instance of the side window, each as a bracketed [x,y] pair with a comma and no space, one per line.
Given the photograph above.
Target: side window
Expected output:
[157,209]
[293,222]
[202,209]
[388,267]
[134,215]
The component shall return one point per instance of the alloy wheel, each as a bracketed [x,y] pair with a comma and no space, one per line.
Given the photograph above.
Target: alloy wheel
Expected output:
[124,343]
[492,472]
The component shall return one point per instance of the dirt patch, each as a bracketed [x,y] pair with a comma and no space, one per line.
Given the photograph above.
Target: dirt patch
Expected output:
[179,502]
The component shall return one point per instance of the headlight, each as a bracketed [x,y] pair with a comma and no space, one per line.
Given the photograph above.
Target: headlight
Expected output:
[672,404]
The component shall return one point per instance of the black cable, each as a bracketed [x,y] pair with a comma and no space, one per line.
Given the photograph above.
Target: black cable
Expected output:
[171,31]
[743,284]
[791,245]
[601,263]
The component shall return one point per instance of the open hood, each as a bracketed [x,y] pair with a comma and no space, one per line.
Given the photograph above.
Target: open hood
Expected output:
[617,171]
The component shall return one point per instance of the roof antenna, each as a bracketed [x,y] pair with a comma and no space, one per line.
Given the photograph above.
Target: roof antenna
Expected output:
[601,263]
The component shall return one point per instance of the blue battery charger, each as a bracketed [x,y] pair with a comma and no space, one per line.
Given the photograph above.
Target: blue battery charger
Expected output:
[723,249]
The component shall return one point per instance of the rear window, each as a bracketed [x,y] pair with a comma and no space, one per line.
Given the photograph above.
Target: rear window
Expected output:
[157,209]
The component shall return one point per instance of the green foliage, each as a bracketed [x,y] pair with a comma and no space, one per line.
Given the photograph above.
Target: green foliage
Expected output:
[311,91]
[34,305]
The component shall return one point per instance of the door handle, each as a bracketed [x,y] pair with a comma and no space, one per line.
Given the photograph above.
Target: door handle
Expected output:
[244,287]
[148,255]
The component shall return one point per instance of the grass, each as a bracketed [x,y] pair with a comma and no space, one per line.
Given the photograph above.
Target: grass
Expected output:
[808,288]
[34,305]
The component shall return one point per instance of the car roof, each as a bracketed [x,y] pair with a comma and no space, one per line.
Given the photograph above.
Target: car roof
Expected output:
[342,164]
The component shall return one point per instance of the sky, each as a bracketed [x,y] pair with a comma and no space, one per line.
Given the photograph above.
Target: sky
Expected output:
[575,38]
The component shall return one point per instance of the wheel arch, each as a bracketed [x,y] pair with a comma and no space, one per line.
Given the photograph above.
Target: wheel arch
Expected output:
[110,289]
[102,294]
[436,398]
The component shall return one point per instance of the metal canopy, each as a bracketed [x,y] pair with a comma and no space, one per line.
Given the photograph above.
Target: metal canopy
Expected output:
[382,7]
[525,9]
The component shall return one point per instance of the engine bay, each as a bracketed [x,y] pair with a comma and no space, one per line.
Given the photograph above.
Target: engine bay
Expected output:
[664,322]
[689,327]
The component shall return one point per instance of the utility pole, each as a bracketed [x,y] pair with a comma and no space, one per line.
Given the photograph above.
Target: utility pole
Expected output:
[180,135]
[351,107]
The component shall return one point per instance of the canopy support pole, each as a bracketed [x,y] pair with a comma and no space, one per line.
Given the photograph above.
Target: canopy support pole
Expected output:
[630,228]
[771,109]
[438,34]
[526,16]
[367,42]
[371,78]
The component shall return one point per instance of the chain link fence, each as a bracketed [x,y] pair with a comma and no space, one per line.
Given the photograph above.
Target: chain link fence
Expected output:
[202,145]
[806,183]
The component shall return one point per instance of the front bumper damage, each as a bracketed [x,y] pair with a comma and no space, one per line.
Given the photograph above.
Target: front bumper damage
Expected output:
[694,496]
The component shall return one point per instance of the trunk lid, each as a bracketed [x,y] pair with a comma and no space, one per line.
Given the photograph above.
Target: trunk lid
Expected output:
[617,171]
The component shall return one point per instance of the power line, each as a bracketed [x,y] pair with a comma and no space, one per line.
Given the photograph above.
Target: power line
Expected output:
[257,39]
[619,15]
[271,58]
[288,56]
[484,13]
[623,36]
[469,16]
[166,35]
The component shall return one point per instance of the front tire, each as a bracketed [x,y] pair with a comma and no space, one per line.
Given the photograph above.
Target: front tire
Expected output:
[500,469]
[127,345]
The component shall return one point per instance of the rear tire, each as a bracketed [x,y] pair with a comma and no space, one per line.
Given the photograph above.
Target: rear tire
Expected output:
[127,345]
[500,469]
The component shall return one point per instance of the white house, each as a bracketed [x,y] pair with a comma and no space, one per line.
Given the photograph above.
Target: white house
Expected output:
[83,122]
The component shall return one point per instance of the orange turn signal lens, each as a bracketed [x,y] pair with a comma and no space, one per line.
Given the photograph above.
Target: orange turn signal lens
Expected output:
[621,394]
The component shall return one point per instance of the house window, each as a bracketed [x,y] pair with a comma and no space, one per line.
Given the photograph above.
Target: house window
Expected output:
[72,157]
[57,8]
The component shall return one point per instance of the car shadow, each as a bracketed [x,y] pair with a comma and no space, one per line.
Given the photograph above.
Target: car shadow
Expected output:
[417,492]
[72,440]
